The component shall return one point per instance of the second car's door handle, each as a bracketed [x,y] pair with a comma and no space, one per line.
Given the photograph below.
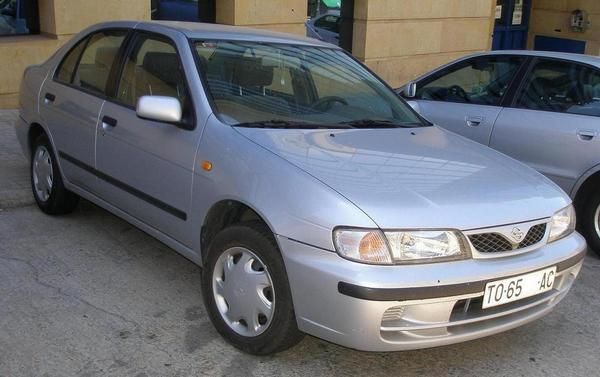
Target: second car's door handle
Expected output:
[473,121]
[108,122]
[586,135]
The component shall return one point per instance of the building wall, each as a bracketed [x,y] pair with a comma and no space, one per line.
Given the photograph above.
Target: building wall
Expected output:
[552,18]
[286,16]
[59,20]
[400,40]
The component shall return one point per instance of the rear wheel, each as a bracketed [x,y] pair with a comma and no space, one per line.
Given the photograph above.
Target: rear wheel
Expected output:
[246,290]
[46,182]
[590,222]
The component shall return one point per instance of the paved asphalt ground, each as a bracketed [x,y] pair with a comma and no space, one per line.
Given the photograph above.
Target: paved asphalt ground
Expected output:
[89,295]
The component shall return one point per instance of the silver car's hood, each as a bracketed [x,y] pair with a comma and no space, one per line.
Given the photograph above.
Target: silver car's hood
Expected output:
[417,177]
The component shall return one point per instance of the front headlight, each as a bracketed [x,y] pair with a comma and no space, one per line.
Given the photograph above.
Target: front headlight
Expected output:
[562,224]
[398,247]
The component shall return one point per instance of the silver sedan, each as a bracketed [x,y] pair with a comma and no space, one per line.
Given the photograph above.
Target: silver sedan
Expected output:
[314,199]
[542,108]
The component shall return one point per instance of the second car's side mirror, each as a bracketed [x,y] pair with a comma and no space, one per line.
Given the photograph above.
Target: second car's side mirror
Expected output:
[410,90]
[159,108]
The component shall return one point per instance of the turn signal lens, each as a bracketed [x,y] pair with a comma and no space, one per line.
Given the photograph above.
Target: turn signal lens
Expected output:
[363,246]
[207,165]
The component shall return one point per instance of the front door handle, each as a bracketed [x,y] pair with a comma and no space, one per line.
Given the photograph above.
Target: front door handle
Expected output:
[474,121]
[586,135]
[108,122]
[49,98]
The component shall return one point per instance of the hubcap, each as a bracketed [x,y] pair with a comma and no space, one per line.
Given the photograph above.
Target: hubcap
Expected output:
[243,291]
[597,221]
[43,175]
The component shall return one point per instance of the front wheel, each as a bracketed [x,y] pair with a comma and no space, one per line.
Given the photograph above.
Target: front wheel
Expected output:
[590,222]
[246,290]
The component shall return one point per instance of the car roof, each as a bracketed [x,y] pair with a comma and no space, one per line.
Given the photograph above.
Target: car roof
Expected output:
[587,59]
[199,30]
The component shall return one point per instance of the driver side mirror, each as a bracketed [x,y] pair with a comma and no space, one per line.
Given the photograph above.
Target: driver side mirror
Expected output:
[410,90]
[159,108]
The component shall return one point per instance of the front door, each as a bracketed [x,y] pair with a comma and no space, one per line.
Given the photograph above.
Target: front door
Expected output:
[466,97]
[147,166]
[511,25]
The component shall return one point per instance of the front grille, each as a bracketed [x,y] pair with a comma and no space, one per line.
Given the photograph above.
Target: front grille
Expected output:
[490,242]
[497,243]
[535,235]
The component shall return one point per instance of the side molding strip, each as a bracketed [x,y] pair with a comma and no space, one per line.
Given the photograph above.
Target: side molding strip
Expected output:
[125,187]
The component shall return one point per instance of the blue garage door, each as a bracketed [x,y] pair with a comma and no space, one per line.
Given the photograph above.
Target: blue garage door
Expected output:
[558,44]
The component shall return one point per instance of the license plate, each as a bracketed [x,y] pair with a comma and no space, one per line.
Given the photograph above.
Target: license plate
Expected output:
[519,287]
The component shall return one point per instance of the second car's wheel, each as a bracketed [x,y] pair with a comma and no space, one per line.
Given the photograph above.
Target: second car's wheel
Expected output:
[246,290]
[590,222]
[48,189]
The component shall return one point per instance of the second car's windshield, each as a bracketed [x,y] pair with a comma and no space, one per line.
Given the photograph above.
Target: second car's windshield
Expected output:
[277,85]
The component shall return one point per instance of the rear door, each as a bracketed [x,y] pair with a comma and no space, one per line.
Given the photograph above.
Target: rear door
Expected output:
[71,101]
[553,124]
[466,97]
[147,166]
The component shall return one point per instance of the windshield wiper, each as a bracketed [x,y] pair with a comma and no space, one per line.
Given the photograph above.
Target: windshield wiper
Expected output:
[278,123]
[380,123]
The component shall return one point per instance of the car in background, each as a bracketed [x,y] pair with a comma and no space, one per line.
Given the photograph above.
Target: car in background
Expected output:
[314,199]
[13,16]
[176,10]
[325,27]
[542,108]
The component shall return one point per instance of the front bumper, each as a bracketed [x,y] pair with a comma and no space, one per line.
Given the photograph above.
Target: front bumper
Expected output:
[392,308]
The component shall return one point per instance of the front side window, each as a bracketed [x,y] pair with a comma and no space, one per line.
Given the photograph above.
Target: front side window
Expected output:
[481,81]
[563,87]
[95,61]
[258,82]
[152,68]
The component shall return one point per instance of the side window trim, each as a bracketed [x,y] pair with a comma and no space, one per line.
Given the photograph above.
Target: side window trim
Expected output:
[527,75]
[514,88]
[86,40]
[128,45]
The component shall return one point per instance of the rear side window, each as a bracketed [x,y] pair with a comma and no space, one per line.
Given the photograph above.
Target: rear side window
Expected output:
[89,64]
[564,87]
[66,69]
[480,81]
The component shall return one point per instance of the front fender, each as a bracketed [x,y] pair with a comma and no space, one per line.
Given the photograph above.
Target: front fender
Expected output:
[293,203]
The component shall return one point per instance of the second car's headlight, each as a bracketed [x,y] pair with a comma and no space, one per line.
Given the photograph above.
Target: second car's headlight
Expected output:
[562,224]
[398,247]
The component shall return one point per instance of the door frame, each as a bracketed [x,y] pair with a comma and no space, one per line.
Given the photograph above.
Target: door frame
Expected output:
[507,27]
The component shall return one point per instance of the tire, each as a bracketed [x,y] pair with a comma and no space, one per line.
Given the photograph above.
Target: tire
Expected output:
[254,247]
[590,223]
[47,185]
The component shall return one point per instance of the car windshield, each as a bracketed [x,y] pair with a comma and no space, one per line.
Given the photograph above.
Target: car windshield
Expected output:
[291,86]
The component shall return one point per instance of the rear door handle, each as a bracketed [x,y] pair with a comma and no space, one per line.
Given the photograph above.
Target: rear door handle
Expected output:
[586,135]
[108,122]
[49,98]
[474,121]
